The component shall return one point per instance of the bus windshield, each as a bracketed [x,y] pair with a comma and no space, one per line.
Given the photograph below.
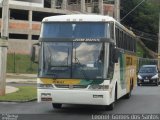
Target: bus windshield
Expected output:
[74,30]
[81,60]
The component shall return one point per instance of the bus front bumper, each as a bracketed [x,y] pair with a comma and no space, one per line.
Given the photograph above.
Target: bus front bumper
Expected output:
[74,96]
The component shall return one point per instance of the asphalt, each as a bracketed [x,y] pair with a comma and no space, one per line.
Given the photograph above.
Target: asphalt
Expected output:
[18,78]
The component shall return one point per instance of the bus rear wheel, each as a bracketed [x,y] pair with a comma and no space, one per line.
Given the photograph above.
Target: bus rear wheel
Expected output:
[128,95]
[56,106]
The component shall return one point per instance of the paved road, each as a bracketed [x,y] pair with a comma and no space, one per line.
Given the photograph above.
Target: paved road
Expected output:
[145,99]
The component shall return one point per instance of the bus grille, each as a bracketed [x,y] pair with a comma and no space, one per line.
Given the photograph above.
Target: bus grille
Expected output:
[72,86]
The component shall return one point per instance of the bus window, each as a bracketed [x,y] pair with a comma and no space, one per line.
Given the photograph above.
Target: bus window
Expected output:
[117,37]
[112,30]
[74,30]
[120,38]
[111,63]
[125,41]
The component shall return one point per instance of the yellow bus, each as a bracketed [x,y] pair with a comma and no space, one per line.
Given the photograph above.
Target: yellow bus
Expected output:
[85,59]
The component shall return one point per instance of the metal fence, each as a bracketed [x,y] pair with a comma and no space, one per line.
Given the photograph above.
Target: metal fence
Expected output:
[17,63]
[146,61]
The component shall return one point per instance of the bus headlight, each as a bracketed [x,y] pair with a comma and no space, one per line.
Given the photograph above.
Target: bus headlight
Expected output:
[44,86]
[99,87]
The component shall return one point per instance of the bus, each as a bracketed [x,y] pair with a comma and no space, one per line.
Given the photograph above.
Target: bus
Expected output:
[84,59]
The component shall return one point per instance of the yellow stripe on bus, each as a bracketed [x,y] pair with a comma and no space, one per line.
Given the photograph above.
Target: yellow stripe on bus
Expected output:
[61,81]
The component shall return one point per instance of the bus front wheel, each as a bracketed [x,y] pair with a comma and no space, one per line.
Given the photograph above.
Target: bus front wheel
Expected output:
[56,106]
[110,107]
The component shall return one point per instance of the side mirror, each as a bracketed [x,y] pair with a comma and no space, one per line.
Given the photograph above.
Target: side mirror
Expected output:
[35,53]
[115,55]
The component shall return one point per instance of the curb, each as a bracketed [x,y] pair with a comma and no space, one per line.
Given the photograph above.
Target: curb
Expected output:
[15,101]
[25,82]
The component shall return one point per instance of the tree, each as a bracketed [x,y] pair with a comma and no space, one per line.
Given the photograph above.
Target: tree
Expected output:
[144,18]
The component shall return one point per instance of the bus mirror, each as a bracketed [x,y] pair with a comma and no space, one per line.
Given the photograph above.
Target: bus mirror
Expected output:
[115,55]
[35,53]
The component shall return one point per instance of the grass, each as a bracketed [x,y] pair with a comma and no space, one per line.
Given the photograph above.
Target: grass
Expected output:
[17,63]
[25,93]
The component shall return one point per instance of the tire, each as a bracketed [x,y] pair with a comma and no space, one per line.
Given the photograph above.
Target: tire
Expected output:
[110,107]
[128,95]
[56,106]
[138,84]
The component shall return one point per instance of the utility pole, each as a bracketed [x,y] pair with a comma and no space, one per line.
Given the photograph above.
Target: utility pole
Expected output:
[117,10]
[100,5]
[4,45]
[159,45]
[53,3]
[64,4]
[83,6]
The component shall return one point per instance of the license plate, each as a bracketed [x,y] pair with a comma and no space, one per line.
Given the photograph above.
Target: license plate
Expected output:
[146,80]
[46,99]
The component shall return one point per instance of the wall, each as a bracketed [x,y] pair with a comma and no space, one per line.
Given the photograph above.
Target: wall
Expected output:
[14,46]
[34,3]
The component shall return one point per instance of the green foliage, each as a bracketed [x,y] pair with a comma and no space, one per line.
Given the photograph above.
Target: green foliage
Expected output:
[139,51]
[25,93]
[17,63]
[144,18]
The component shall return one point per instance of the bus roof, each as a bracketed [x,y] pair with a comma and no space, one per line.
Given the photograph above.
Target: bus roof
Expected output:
[78,17]
[85,18]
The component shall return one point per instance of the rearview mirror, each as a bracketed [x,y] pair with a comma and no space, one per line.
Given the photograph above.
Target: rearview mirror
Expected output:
[35,53]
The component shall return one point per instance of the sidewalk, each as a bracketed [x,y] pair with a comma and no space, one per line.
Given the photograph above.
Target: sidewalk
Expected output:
[10,89]
[19,78]
[24,76]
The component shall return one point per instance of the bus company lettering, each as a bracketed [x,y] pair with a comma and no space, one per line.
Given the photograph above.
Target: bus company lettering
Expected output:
[86,40]
[58,82]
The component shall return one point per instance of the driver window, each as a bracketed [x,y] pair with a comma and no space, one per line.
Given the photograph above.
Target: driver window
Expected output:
[111,63]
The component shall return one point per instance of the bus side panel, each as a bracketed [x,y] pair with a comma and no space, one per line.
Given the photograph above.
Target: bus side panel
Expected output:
[130,71]
[119,76]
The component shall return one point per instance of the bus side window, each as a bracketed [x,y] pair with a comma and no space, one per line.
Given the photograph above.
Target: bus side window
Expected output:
[111,63]
[125,42]
[134,43]
[116,36]
[112,30]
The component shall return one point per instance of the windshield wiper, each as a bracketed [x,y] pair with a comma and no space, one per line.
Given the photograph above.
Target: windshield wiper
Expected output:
[52,74]
[59,68]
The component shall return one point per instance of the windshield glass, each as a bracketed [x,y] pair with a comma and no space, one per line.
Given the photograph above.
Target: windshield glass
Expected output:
[147,70]
[73,60]
[74,30]
[57,59]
